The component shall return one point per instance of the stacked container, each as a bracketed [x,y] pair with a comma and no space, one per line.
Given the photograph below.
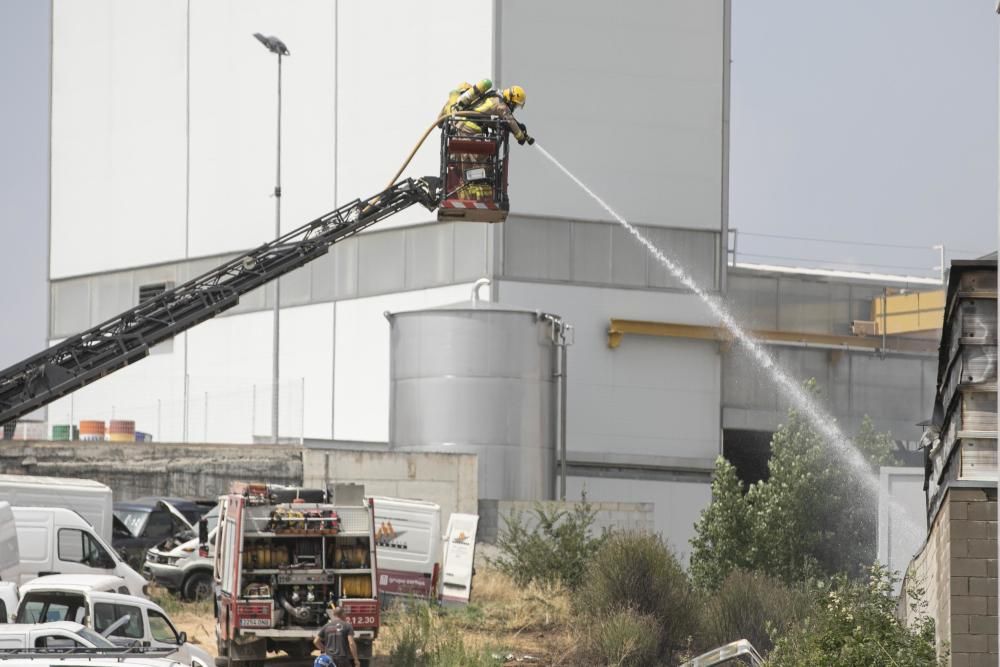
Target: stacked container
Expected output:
[121,430]
[91,429]
[65,432]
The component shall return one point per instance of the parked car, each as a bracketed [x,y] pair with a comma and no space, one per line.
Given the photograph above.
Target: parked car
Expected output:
[56,540]
[150,521]
[123,619]
[178,566]
[192,510]
[55,635]
[739,652]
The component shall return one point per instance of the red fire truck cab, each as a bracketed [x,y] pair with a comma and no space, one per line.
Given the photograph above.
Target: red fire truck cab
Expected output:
[280,561]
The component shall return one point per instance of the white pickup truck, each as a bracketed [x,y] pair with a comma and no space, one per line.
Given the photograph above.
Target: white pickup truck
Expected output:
[125,620]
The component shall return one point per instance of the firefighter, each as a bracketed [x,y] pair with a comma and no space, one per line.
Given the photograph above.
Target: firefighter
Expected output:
[501,104]
[336,639]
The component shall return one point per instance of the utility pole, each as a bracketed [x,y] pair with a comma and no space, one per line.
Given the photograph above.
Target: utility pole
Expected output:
[276,46]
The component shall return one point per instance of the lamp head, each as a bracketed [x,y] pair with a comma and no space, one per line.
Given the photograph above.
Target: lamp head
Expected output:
[273,44]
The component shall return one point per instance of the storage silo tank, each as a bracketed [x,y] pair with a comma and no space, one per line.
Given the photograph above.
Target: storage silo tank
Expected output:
[481,378]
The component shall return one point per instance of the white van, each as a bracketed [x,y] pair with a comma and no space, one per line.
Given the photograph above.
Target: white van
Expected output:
[10,558]
[91,500]
[409,548]
[124,620]
[54,540]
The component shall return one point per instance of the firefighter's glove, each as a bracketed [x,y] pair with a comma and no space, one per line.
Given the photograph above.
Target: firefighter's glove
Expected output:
[524,128]
[521,138]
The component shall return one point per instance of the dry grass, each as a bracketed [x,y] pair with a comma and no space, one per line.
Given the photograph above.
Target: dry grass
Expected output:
[508,607]
[502,617]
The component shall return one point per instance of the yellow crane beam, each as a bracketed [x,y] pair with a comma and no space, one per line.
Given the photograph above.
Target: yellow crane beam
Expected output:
[618,328]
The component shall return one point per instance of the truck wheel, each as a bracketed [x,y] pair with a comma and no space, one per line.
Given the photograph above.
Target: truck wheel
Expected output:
[198,586]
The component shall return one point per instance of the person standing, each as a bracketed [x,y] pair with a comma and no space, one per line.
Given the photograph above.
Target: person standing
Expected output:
[336,639]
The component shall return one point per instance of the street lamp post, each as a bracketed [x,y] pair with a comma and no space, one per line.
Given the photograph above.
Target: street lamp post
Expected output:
[276,46]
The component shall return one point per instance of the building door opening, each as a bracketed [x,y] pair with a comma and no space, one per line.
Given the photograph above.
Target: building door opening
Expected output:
[749,451]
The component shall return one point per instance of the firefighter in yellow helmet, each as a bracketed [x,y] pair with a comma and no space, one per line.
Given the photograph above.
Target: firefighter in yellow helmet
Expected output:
[503,105]
[481,98]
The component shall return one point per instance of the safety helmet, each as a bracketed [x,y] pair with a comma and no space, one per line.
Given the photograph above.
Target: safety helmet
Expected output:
[515,95]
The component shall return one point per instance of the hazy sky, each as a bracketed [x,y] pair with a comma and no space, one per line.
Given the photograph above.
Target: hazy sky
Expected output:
[864,121]
[854,121]
[24,182]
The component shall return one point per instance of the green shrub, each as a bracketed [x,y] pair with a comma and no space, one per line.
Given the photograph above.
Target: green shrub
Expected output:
[554,546]
[855,624]
[750,606]
[639,572]
[622,638]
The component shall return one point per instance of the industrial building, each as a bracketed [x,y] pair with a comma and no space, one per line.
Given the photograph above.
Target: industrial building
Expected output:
[955,569]
[163,128]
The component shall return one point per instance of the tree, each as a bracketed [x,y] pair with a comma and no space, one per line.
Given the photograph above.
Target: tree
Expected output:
[722,533]
[815,515]
[854,623]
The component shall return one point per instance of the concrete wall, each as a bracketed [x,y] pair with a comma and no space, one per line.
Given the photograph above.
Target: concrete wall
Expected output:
[450,480]
[205,471]
[155,469]
[957,568]
[610,515]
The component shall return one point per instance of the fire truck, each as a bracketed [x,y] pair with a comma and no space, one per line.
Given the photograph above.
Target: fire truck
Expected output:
[281,557]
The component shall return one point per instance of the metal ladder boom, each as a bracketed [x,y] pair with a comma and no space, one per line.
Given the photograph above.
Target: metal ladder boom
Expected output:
[128,337]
